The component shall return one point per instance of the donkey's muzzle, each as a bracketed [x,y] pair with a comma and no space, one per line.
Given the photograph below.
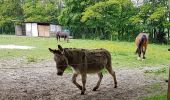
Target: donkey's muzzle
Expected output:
[60,73]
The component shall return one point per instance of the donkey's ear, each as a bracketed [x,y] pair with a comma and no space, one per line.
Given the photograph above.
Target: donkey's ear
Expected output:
[51,50]
[60,48]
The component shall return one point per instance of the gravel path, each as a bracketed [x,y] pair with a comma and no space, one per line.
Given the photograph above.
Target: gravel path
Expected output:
[42,83]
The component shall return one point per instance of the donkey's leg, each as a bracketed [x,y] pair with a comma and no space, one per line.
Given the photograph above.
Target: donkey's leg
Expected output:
[74,81]
[84,76]
[99,81]
[109,69]
[57,38]
[67,39]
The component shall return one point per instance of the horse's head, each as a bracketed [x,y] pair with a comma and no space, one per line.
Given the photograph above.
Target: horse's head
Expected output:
[60,59]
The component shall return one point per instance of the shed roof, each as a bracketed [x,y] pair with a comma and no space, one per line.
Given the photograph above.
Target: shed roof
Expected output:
[42,23]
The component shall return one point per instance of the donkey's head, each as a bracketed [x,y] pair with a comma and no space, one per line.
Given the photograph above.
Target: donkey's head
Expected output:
[60,59]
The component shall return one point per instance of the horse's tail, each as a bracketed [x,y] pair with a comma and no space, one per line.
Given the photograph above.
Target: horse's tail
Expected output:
[142,41]
[136,51]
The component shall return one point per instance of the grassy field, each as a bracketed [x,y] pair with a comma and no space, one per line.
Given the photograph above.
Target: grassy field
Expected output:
[122,52]
[155,97]
[123,55]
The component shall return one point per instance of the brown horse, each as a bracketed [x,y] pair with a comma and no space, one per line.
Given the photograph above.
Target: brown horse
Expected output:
[141,43]
[83,62]
[64,35]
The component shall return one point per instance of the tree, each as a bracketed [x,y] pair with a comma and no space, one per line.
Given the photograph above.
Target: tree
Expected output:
[10,12]
[112,15]
[41,11]
[71,16]
[151,18]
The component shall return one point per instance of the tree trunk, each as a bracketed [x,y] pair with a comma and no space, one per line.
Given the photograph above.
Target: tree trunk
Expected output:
[154,33]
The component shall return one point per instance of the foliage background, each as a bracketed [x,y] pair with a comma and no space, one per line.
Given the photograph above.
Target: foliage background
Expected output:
[97,19]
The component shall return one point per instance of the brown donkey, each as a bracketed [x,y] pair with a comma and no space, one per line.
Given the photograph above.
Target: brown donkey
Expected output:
[83,62]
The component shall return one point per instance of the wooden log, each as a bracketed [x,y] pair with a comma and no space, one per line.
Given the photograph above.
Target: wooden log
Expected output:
[169,86]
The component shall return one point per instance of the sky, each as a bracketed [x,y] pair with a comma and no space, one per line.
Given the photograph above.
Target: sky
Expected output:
[137,2]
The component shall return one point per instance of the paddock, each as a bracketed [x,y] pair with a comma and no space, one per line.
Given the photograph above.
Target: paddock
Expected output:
[31,73]
[39,81]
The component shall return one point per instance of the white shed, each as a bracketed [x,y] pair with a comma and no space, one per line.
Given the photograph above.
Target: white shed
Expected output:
[37,29]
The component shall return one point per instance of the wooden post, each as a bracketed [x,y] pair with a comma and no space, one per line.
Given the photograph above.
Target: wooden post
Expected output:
[169,86]
[168,94]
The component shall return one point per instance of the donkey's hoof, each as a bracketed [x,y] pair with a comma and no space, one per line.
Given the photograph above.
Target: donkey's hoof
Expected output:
[95,88]
[82,92]
[115,86]
[166,80]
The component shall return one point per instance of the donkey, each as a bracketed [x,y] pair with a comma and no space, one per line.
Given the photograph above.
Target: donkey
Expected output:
[141,43]
[83,62]
[64,35]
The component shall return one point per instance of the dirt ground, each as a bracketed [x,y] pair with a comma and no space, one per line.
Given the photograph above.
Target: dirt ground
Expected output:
[39,81]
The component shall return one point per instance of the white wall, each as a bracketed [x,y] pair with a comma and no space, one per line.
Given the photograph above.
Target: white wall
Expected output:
[58,28]
[31,29]
[28,27]
[34,30]
[55,28]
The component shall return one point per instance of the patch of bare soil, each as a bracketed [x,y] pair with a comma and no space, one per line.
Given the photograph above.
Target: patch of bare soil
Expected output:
[39,81]
[12,46]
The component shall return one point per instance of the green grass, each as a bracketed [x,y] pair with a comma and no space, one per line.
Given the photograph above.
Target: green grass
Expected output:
[155,97]
[161,70]
[122,52]
[123,55]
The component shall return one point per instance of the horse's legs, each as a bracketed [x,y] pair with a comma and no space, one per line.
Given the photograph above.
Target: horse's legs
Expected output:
[109,69]
[74,81]
[84,76]
[99,81]
[139,53]
[144,51]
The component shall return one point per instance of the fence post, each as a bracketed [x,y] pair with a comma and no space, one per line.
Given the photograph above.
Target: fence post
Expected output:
[168,94]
